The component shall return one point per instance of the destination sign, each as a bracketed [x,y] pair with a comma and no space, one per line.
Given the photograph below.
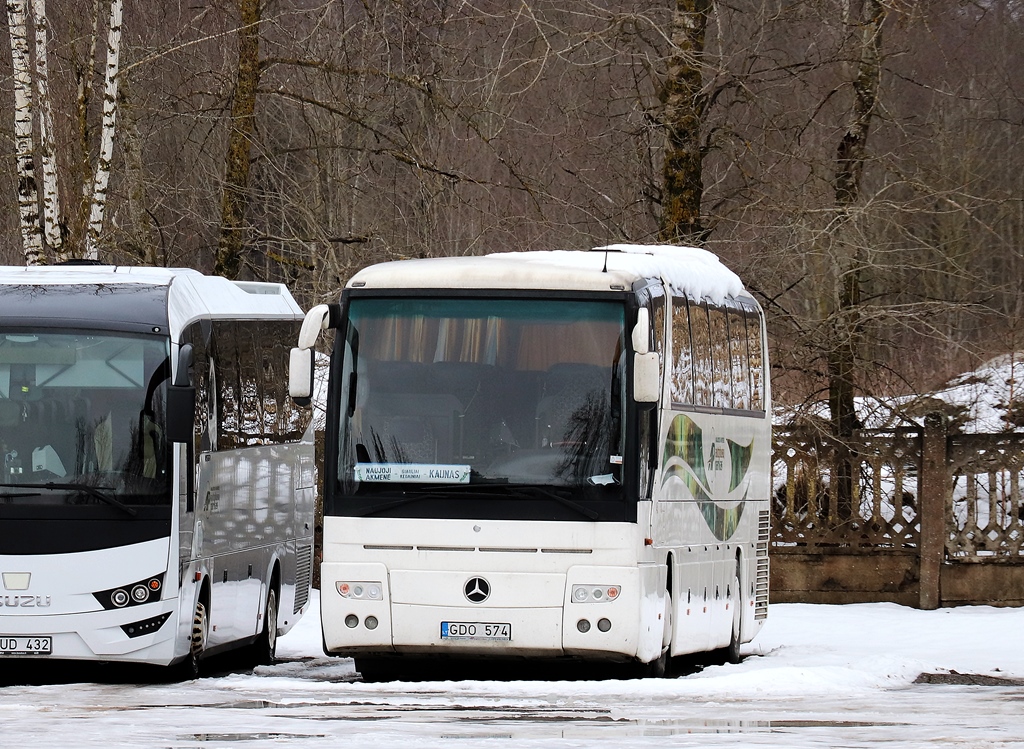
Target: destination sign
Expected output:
[423,473]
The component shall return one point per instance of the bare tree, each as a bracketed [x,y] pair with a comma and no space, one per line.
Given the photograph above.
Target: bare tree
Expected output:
[234,202]
[683,116]
[28,194]
[52,223]
[850,158]
[107,131]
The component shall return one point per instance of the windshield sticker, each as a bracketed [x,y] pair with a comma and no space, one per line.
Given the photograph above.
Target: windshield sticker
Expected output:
[421,473]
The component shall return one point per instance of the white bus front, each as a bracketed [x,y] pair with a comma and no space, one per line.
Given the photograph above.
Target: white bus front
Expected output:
[486,457]
[85,496]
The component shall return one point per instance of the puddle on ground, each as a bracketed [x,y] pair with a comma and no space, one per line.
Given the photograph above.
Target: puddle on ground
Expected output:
[973,680]
[203,737]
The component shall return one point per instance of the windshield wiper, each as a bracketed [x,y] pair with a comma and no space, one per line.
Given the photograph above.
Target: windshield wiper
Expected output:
[102,493]
[502,489]
[540,491]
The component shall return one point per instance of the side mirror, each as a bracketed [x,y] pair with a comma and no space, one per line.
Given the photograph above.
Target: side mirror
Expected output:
[300,362]
[642,331]
[181,400]
[300,376]
[646,378]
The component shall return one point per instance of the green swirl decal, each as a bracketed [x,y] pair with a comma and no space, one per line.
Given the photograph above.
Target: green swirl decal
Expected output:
[685,458]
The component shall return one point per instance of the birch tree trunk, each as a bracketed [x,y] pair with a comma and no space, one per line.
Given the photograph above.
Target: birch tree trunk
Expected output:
[235,199]
[99,190]
[47,148]
[682,100]
[28,194]
[83,171]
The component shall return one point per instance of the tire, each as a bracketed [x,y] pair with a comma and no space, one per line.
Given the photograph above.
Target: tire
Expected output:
[189,668]
[732,653]
[264,649]
[660,667]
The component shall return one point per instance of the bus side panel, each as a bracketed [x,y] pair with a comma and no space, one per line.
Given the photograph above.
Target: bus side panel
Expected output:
[710,488]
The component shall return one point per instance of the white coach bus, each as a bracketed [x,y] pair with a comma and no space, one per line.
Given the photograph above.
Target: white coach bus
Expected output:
[550,455]
[156,500]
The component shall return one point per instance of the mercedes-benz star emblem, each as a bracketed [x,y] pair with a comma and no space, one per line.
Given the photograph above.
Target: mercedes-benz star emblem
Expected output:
[477,589]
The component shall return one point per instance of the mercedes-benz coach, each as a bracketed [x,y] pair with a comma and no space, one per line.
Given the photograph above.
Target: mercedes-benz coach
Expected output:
[543,455]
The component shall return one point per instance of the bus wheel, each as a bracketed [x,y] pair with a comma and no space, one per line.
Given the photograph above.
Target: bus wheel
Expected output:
[732,653]
[265,647]
[189,668]
[659,667]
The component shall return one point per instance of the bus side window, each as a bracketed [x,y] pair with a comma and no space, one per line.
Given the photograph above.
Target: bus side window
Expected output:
[756,358]
[682,354]
[739,361]
[658,329]
[703,370]
[199,335]
[720,357]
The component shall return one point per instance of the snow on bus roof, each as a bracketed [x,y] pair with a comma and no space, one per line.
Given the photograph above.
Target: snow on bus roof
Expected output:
[191,289]
[692,271]
[688,271]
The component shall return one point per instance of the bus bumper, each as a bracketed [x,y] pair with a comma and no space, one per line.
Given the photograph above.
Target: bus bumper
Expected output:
[525,615]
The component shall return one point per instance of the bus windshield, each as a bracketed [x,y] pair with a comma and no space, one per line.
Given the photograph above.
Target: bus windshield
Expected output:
[80,418]
[499,392]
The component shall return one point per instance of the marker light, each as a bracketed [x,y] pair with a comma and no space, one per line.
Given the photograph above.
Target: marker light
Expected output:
[595,593]
[360,591]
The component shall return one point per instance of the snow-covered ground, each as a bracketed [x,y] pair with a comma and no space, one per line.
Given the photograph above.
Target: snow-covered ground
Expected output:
[806,648]
[817,676]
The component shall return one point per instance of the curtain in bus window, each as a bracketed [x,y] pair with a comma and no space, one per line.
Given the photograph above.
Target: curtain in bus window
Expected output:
[703,371]
[682,354]
[738,357]
[422,339]
[753,320]
[468,340]
[393,338]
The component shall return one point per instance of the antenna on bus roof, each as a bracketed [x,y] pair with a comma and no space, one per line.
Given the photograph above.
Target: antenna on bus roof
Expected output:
[605,268]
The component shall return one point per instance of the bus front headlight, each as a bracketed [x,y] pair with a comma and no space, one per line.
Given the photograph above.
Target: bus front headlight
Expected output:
[360,591]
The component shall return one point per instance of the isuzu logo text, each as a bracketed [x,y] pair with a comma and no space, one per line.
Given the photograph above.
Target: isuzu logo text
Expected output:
[25,602]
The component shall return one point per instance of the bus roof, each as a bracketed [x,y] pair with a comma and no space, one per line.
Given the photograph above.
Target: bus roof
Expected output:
[214,295]
[691,271]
